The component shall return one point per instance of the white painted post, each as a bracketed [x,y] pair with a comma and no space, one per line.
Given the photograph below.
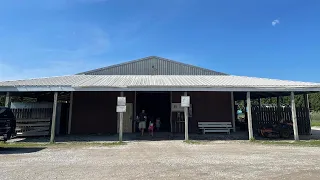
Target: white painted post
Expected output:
[249,116]
[7,102]
[233,115]
[120,122]
[294,118]
[54,114]
[186,123]
[70,112]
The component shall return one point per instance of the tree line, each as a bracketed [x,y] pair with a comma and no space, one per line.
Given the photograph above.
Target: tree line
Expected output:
[314,101]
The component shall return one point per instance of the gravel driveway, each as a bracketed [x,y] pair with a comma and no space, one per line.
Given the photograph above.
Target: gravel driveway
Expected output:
[163,160]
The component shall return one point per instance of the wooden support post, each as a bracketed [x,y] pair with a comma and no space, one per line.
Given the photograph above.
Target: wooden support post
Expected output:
[278,108]
[171,123]
[306,104]
[294,118]
[70,112]
[278,101]
[134,112]
[120,122]
[306,100]
[54,114]
[7,101]
[186,123]
[260,103]
[249,116]
[233,113]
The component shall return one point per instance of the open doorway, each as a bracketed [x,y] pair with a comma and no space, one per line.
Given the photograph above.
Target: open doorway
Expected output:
[156,104]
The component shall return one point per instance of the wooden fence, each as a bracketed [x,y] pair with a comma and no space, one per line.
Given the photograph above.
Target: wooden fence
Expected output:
[33,122]
[273,115]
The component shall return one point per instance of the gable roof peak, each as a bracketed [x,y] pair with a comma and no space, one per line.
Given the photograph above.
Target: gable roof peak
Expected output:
[152,65]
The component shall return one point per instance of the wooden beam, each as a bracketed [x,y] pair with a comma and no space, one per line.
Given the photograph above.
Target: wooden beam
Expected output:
[121,121]
[54,114]
[70,112]
[294,118]
[171,124]
[306,104]
[249,116]
[233,113]
[7,100]
[134,112]
[306,100]
[186,123]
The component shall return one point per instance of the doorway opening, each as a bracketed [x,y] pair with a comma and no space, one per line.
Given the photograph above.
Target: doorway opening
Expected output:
[156,105]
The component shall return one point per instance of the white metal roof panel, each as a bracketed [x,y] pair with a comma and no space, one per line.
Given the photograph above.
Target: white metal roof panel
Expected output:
[153,81]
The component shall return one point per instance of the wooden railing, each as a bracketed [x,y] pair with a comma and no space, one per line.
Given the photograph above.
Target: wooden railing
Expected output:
[273,115]
[33,122]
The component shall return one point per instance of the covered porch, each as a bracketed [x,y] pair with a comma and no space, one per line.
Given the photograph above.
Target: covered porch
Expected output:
[231,88]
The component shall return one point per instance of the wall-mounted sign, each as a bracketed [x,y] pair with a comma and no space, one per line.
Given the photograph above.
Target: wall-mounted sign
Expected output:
[121,109]
[185,101]
[121,101]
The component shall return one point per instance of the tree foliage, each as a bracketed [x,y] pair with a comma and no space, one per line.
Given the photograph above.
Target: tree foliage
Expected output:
[314,101]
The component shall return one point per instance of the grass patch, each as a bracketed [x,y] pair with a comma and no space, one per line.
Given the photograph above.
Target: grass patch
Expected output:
[315,118]
[58,144]
[194,142]
[306,143]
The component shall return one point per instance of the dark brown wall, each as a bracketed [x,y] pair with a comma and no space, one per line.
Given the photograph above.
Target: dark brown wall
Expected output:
[95,112]
[207,107]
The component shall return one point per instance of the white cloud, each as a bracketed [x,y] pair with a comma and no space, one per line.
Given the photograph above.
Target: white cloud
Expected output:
[275,22]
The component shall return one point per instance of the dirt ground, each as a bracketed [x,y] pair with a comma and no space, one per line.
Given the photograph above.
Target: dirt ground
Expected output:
[163,160]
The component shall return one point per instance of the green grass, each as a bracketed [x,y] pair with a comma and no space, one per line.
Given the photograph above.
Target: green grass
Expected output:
[307,143]
[67,144]
[194,142]
[315,119]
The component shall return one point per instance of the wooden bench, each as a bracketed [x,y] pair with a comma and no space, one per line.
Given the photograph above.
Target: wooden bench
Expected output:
[215,127]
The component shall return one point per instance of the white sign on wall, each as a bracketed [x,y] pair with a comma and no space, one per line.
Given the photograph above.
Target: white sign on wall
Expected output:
[121,109]
[121,101]
[185,101]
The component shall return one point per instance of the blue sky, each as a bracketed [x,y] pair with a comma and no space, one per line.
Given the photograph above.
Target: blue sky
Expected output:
[60,37]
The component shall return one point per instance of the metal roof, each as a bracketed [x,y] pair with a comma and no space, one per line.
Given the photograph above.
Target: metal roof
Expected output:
[156,83]
[152,65]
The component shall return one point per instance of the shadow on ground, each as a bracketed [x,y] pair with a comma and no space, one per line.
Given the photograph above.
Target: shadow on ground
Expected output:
[161,136]
[19,150]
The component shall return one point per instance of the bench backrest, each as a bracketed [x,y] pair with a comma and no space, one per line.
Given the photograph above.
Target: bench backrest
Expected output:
[214,124]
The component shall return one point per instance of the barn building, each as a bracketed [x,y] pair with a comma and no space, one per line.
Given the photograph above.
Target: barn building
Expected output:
[153,84]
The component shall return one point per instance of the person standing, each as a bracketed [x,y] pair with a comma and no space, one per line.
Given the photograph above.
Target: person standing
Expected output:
[142,121]
[158,123]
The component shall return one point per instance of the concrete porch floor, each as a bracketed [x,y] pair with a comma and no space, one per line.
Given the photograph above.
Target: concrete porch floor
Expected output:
[158,136]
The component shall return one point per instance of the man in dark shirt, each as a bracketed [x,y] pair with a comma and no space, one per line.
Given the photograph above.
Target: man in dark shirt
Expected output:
[142,121]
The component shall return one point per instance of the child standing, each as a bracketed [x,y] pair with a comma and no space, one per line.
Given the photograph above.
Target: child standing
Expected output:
[158,123]
[151,127]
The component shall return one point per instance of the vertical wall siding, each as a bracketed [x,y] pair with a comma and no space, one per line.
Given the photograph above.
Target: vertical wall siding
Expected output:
[161,67]
[95,112]
[207,107]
